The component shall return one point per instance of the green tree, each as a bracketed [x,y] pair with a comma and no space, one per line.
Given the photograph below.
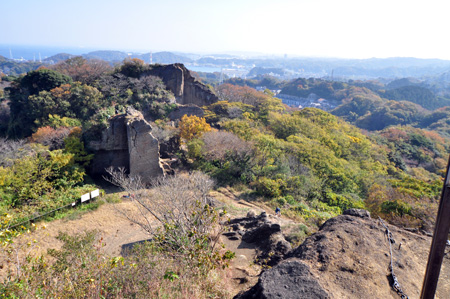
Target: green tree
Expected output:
[30,98]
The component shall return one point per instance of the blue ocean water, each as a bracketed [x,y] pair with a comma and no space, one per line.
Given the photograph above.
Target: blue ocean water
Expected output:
[32,52]
[205,69]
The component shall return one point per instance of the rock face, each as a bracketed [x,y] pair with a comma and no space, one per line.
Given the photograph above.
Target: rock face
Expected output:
[349,258]
[128,143]
[187,89]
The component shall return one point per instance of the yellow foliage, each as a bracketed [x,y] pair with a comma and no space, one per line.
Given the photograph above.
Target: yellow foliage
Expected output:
[354,139]
[192,127]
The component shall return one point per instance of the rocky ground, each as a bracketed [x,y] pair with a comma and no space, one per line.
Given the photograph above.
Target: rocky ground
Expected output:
[349,258]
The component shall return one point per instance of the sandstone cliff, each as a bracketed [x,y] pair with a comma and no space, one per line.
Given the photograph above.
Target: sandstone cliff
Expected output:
[128,142]
[187,89]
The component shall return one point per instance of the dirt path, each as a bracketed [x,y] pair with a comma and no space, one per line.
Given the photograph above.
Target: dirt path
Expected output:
[114,228]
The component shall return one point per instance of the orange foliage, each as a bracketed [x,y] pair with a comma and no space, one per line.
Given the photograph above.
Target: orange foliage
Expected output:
[76,132]
[61,91]
[434,136]
[394,134]
[53,138]
[244,94]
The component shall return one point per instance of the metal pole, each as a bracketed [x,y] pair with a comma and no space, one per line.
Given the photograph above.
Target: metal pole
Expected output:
[440,237]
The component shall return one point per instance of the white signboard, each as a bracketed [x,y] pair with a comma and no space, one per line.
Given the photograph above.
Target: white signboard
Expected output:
[85,197]
[95,193]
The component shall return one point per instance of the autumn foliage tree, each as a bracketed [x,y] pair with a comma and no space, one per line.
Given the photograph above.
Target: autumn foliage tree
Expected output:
[82,70]
[243,94]
[192,127]
[53,138]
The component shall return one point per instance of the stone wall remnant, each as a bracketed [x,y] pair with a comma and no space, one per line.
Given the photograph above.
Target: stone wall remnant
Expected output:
[129,143]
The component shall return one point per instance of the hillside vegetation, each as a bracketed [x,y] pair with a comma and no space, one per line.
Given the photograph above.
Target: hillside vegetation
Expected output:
[310,163]
[313,163]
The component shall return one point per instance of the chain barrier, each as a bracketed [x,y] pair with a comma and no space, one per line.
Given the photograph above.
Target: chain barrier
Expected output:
[395,285]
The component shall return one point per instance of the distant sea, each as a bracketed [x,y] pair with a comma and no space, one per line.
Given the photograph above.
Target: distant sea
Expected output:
[32,52]
[204,69]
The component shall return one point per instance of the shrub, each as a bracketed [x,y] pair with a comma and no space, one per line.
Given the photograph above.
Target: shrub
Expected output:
[80,269]
[177,213]
[48,136]
[343,202]
[268,187]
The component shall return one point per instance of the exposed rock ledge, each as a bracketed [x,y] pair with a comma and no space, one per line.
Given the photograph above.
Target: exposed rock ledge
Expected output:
[187,89]
[263,234]
[349,258]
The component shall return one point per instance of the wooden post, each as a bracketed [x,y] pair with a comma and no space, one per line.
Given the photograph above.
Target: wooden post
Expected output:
[440,237]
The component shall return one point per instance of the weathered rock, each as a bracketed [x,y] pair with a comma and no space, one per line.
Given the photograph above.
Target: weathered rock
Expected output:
[143,148]
[349,257]
[251,214]
[289,280]
[187,89]
[357,212]
[265,235]
[127,143]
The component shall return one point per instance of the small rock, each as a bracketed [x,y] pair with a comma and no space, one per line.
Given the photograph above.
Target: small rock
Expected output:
[358,213]
[251,214]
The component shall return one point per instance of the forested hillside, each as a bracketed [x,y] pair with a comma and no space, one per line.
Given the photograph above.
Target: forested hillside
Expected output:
[313,163]
[383,148]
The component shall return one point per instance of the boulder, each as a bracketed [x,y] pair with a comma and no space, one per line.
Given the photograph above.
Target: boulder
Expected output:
[290,280]
[357,212]
[143,148]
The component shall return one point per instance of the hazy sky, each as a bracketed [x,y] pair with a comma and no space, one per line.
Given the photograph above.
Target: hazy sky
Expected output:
[332,28]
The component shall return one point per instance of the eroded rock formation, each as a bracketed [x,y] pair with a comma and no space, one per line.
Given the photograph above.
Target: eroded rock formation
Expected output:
[128,142]
[349,258]
[187,89]
[263,234]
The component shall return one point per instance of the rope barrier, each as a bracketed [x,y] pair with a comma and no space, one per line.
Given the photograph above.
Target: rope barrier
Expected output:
[395,285]
[72,204]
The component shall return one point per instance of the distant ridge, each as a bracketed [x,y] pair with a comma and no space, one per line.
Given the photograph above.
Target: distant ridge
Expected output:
[118,56]
[110,56]
[58,57]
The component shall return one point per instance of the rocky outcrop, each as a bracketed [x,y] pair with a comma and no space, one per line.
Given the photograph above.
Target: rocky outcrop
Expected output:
[143,148]
[129,143]
[179,81]
[349,258]
[263,234]
[291,280]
